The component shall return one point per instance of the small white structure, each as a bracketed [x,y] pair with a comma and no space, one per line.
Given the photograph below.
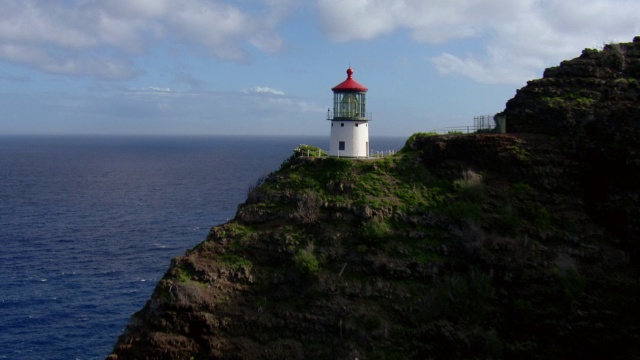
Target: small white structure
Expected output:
[349,120]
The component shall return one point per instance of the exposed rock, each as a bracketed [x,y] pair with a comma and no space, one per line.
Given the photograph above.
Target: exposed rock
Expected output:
[593,103]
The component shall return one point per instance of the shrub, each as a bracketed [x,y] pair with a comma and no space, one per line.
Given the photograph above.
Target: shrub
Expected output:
[376,229]
[306,262]
[470,185]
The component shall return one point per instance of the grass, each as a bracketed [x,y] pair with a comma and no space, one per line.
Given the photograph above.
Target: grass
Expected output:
[375,229]
[183,275]
[412,139]
[391,182]
[462,210]
[427,257]
[470,186]
[235,262]
[309,150]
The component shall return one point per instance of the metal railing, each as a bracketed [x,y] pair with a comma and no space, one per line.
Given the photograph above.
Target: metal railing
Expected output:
[486,123]
[347,115]
[460,129]
[373,154]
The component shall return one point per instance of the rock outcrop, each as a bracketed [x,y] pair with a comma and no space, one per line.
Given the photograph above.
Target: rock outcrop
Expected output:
[593,104]
[459,246]
[600,90]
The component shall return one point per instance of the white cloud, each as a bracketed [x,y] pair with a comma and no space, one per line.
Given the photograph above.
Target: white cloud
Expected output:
[263,90]
[520,37]
[433,21]
[152,89]
[99,38]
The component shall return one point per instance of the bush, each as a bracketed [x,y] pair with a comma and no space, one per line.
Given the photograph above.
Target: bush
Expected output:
[375,229]
[470,185]
[306,262]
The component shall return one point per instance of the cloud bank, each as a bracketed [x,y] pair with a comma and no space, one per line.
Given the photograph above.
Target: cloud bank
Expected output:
[519,37]
[103,39]
[99,38]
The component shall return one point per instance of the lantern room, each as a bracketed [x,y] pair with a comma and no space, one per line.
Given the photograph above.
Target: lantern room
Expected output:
[349,99]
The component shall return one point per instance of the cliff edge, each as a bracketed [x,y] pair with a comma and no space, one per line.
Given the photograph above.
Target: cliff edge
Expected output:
[519,245]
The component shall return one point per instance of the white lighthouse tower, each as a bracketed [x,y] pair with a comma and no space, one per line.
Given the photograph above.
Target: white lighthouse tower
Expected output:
[349,120]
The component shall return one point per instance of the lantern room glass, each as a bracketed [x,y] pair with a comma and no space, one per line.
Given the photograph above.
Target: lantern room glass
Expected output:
[349,105]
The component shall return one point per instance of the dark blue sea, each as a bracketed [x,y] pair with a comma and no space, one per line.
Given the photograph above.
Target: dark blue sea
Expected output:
[88,225]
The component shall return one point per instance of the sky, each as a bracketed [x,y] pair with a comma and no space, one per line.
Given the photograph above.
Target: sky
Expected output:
[266,67]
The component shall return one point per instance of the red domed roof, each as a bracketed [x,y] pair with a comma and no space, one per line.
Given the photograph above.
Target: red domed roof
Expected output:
[349,84]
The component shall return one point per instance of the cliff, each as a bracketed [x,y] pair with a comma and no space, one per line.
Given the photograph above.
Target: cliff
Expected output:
[520,245]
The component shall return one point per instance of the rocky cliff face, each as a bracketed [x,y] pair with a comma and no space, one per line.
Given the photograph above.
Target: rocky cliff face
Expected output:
[460,246]
[600,90]
[593,103]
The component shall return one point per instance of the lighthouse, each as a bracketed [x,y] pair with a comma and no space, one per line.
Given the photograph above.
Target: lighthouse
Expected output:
[349,120]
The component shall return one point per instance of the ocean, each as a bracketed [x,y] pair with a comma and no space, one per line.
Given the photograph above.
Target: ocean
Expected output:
[89,224]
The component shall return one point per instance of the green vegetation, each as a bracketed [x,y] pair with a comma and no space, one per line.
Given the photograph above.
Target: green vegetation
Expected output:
[519,152]
[470,186]
[235,262]
[411,140]
[183,274]
[462,210]
[306,262]
[376,229]
[519,189]
[378,184]
[309,150]
[574,100]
